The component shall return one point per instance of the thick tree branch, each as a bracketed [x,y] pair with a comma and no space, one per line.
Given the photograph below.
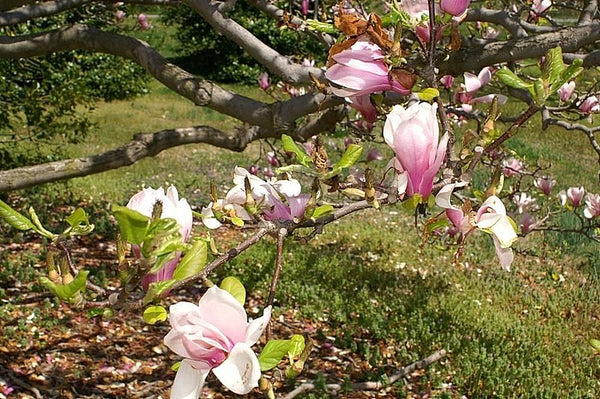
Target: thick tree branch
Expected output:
[589,11]
[509,21]
[143,145]
[474,58]
[271,59]
[37,10]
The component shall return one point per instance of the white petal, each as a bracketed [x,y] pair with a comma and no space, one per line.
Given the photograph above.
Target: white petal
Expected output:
[241,371]
[256,327]
[188,382]
[505,255]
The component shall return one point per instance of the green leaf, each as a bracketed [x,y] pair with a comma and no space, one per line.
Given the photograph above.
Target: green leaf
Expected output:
[411,203]
[595,344]
[509,78]
[154,314]
[80,225]
[272,353]
[156,289]
[235,288]
[237,221]
[553,66]
[336,170]
[568,74]
[351,155]
[428,94]
[322,26]
[132,224]
[175,366]
[322,210]
[436,224]
[14,218]
[37,225]
[193,261]
[297,345]
[540,92]
[66,291]
[290,146]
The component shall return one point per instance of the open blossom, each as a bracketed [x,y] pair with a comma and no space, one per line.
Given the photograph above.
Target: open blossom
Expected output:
[590,104]
[573,196]
[490,218]
[523,202]
[454,7]
[592,206]
[545,184]
[143,21]
[172,207]
[527,223]
[214,335]
[447,81]
[539,6]
[413,134]
[264,81]
[360,71]
[473,83]
[511,167]
[566,91]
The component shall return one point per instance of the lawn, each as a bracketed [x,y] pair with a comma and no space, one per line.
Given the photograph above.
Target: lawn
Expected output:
[366,292]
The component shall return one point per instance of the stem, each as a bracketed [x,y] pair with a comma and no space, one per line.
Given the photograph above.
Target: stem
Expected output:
[280,237]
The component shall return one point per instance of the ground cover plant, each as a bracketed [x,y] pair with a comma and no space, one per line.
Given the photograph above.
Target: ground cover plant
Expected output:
[465,267]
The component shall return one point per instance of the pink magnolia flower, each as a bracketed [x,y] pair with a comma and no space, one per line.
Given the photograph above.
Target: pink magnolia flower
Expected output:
[424,35]
[566,91]
[307,62]
[214,335]
[416,9]
[511,167]
[120,15]
[272,159]
[527,223]
[172,207]
[573,196]
[264,81]
[540,6]
[590,104]
[592,206]
[360,71]
[523,202]
[413,134]
[305,7]
[454,7]
[545,184]
[143,21]
[447,81]
[490,218]
[466,92]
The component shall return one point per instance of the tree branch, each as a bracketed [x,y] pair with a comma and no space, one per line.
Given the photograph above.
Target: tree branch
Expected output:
[589,11]
[271,59]
[38,10]
[143,145]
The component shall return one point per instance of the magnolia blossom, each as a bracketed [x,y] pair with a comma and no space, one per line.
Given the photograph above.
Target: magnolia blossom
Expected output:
[454,7]
[307,62]
[272,159]
[305,7]
[447,81]
[527,223]
[539,6]
[545,184]
[511,167]
[264,81]
[143,21]
[573,196]
[592,206]
[413,134]
[120,15]
[523,202]
[566,91]
[214,335]
[590,104]
[361,71]
[172,207]
[490,218]
[416,9]
[466,92]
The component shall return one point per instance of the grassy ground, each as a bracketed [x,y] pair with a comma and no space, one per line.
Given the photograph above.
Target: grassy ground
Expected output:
[369,285]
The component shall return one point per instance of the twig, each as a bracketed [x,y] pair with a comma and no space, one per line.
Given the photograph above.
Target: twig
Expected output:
[75,271]
[371,385]
[280,237]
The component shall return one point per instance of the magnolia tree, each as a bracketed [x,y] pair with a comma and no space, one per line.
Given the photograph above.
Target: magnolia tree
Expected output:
[409,72]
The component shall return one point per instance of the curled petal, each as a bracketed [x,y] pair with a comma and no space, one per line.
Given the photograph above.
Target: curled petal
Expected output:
[219,308]
[241,371]
[505,255]
[188,381]
[256,327]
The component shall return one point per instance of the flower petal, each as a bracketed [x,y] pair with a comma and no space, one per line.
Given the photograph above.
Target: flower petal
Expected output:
[241,371]
[219,308]
[256,327]
[188,382]
[505,255]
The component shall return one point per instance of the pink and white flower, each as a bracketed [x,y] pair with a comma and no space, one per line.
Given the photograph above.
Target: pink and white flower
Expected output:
[413,134]
[455,8]
[545,184]
[540,6]
[143,21]
[523,201]
[473,83]
[511,167]
[566,91]
[263,81]
[572,197]
[592,206]
[172,207]
[214,335]
[361,71]
[589,105]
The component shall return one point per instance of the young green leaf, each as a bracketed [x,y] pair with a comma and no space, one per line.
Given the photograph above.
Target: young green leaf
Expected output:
[272,353]
[37,225]
[321,26]
[322,210]
[80,225]
[351,155]
[235,288]
[132,224]
[14,218]
[154,314]
[290,146]
[595,344]
[509,78]
[297,344]
[193,261]
[428,94]
[156,289]
[67,291]
[553,66]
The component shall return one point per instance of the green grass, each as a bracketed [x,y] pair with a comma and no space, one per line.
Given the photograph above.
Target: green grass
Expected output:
[368,280]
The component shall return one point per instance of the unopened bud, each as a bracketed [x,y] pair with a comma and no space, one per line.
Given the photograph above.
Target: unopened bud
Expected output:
[319,155]
[67,278]
[157,210]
